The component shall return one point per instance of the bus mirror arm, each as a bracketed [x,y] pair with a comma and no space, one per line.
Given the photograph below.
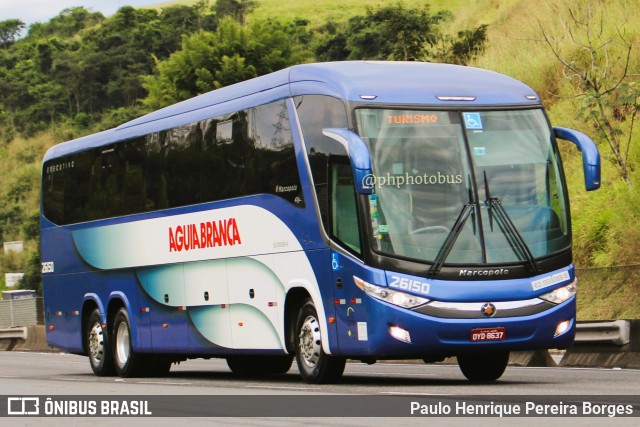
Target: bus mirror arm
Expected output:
[590,155]
[359,156]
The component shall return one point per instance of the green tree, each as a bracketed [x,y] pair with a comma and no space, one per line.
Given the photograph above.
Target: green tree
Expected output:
[400,33]
[235,9]
[393,32]
[232,53]
[10,31]
[32,279]
[467,45]
[81,65]
[67,23]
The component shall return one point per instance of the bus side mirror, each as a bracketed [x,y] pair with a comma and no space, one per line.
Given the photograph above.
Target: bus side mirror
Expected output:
[590,155]
[358,155]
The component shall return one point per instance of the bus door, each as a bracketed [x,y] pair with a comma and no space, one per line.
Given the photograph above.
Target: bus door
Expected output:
[351,317]
[344,229]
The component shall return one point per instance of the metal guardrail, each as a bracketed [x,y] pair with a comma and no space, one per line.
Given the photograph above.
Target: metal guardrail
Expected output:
[616,332]
[13,333]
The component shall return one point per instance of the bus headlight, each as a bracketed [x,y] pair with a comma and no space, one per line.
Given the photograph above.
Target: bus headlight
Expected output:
[562,294]
[391,296]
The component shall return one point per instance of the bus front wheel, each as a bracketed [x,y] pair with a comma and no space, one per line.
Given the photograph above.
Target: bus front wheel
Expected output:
[483,367]
[98,345]
[315,366]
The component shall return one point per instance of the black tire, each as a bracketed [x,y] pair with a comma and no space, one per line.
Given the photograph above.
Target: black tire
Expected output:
[127,362]
[315,366]
[483,367]
[98,344]
[259,365]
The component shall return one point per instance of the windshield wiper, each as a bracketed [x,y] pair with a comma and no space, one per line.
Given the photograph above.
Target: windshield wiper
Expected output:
[515,239]
[467,210]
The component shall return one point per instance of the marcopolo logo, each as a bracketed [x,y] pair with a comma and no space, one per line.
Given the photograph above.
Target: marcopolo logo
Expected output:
[484,272]
[398,181]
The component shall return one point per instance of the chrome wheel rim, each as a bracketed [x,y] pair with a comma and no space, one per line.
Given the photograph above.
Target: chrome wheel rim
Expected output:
[96,344]
[123,346]
[310,341]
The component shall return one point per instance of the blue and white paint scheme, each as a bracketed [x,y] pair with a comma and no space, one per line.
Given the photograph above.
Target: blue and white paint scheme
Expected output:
[421,209]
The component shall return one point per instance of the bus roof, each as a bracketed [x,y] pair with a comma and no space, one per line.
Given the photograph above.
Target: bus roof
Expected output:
[374,82]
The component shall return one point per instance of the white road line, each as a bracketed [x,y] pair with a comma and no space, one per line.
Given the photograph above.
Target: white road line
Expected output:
[282,388]
[400,374]
[407,393]
[161,383]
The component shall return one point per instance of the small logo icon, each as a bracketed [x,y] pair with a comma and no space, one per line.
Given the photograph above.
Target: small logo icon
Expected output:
[23,406]
[488,309]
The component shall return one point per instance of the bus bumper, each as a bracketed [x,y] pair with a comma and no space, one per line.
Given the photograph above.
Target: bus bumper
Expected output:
[393,332]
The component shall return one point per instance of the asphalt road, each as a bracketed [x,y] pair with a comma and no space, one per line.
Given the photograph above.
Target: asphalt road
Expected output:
[28,374]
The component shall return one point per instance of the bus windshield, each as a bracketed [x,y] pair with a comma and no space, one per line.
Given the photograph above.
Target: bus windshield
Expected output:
[464,187]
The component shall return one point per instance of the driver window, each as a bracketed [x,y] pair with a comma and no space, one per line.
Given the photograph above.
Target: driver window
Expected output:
[344,214]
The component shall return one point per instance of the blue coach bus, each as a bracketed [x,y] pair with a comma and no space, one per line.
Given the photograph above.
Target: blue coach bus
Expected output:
[325,212]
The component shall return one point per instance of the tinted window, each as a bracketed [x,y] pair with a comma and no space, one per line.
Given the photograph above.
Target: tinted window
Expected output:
[317,112]
[240,154]
[344,214]
[181,151]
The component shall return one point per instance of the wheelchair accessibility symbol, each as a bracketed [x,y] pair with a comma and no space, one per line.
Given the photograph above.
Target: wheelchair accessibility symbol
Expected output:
[335,262]
[472,121]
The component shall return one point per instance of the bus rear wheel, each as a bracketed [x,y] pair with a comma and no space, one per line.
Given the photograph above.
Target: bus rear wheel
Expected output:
[315,366]
[259,365]
[127,362]
[98,345]
[483,367]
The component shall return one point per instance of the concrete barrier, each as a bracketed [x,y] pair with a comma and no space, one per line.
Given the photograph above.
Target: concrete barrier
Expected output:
[27,338]
[10,336]
[605,345]
[532,359]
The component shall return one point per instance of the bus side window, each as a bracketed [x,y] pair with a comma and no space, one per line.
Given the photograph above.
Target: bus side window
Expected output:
[344,214]
[274,168]
[317,112]
[213,163]
[103,199]
[182,150]
[155,179]
[134,192]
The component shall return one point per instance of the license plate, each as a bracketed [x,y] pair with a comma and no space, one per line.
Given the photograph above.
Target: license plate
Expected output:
[488,334]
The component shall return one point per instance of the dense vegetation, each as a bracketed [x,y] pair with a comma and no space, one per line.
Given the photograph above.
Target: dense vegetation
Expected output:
[82,72]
